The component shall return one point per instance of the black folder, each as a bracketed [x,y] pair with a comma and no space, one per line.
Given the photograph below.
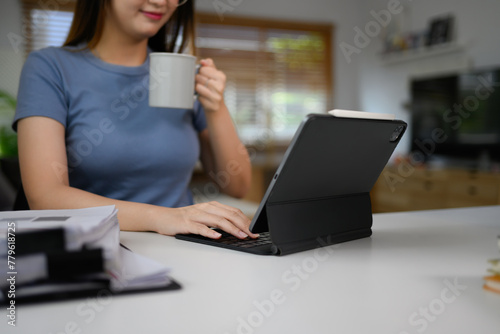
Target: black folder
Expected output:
[73,274]
[60,274]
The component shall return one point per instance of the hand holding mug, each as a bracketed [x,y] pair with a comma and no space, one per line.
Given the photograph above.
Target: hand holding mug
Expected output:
[210,85]
[172,79]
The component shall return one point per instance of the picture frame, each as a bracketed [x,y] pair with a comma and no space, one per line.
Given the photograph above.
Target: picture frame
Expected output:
[440,30]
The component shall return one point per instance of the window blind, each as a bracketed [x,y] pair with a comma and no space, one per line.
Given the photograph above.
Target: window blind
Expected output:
[277,72]
[47,22]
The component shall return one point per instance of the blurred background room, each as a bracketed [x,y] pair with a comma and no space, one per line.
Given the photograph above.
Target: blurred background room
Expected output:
[434,64]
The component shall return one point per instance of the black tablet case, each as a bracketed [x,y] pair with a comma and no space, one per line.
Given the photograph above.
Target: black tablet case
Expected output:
[320,194]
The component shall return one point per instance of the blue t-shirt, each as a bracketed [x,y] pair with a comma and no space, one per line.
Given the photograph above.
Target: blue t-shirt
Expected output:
[117,145]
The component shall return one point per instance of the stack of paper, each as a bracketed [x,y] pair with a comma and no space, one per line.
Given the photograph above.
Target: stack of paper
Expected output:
[492,281]
[138,272]
[53,254]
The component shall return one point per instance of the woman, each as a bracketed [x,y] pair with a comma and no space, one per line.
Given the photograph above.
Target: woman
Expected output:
[87,136]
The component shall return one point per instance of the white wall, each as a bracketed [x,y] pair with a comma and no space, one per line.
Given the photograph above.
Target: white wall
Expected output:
[385,88]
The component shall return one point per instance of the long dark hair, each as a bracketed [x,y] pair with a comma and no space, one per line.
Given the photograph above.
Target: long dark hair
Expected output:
[88,23]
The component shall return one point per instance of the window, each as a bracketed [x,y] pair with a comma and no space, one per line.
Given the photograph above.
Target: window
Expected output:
[46,22]
[277,72]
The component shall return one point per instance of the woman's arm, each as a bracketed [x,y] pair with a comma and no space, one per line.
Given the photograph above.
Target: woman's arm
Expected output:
[44,170]
[224,157]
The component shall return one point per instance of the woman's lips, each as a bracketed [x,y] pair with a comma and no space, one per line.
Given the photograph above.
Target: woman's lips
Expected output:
[153,16]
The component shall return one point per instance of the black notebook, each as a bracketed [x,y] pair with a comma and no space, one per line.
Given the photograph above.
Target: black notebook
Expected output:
[320,193]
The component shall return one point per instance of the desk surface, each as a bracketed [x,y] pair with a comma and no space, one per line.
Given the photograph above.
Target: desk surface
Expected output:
[420,272]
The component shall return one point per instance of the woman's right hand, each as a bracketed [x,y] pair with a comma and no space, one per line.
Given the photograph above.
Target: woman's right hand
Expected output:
[201,218]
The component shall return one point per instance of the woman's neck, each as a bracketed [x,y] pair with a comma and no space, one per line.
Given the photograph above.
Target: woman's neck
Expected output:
[121,52]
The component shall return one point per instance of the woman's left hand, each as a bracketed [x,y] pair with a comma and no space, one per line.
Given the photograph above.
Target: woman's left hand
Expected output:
[210,85]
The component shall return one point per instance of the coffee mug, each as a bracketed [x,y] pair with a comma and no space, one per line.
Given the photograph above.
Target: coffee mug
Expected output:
[171,80]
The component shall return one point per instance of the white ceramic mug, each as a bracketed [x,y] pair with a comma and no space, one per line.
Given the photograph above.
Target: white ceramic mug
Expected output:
[171,80]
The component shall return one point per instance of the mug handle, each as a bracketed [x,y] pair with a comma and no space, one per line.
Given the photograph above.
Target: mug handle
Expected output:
[197,70]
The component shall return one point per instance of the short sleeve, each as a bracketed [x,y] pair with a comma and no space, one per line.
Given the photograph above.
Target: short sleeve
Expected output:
[199,119]
[41,89]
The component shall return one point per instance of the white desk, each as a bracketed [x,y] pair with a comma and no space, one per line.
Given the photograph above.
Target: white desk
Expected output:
[397,282]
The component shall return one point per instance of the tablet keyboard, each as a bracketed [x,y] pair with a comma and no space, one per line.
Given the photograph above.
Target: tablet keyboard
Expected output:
[262,245]
[229,239]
